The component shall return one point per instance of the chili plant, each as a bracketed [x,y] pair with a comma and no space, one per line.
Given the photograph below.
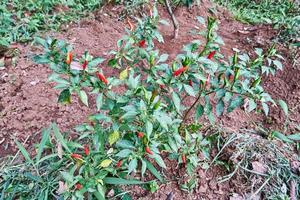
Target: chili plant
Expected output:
[141,115]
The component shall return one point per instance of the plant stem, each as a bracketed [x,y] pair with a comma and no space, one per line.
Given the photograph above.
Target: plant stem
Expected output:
[174,20]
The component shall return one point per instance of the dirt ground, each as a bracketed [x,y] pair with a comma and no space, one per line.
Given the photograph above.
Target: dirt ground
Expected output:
[28,103]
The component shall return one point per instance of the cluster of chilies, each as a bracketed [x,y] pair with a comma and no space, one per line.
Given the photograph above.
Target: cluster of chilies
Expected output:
[182,69]
[100,76]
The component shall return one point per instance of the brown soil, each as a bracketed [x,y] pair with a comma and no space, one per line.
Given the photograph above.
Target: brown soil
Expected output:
[28,103]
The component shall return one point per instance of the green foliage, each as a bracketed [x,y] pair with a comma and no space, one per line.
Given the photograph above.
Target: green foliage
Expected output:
[283,14]
[21,19]
[134,125]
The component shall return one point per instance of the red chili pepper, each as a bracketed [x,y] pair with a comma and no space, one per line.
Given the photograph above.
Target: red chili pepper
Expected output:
[76,156]
[211,55]
[86,150]
[102,78]
[180,71]
[69,58]
[183,159]
[161,86]
[140,134]
[191,83]
[231,77]
[78,186]
[84,65]
[148,150]
[119,164]
[142,43]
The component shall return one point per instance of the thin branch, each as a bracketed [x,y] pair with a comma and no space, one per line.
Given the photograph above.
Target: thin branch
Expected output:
[174,20]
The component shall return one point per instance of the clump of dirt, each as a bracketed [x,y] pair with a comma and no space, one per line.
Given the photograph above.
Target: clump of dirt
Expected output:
[28,103]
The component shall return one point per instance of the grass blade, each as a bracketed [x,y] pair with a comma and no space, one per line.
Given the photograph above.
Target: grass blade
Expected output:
[42,145]
[24,152]
[59,137]
[121,181]
[154,171]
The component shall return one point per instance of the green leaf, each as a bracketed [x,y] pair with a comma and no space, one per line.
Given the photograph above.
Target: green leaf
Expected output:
[211,118]
[159,161]
[65,96]
[95,62]
[295,137]
[124,153]
[252,105]
[132,166]
[67,176]
[113,137]
[149,129]
[220,107]
[59,137]
[83,97]
[112,62]
[265,108]
[24,152]
[99,101]
[121,181]
[199,111]
[144,167]
[163,58]
[45,138]
[234,103]
[176,100]
[284,107]
[278,64]
[220,93]
[190,90]
[281,136]
[154,171]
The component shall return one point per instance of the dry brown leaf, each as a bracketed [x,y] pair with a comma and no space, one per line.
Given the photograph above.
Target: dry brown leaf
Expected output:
[259,167]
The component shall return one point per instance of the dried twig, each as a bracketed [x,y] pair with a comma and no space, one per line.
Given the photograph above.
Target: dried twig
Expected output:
[174,20]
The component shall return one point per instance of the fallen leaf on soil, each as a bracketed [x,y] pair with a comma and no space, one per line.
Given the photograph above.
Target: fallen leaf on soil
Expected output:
[259,167]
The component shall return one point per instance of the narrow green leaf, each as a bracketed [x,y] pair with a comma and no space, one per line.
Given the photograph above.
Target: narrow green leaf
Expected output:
[159,161]
[154,171]
[265,108]
[284,107]
[95,62]
[24,152]
[176,100]
[190,90]
[220,107]
[67,176]
[132,166]
[124,153]
[83,97]
[295,137]
[43,142]
[144,167]
[99,101]
[59,137]
[281,136]
[121,181]
[234,103]
[149,129]
[252,105]
[199,111]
